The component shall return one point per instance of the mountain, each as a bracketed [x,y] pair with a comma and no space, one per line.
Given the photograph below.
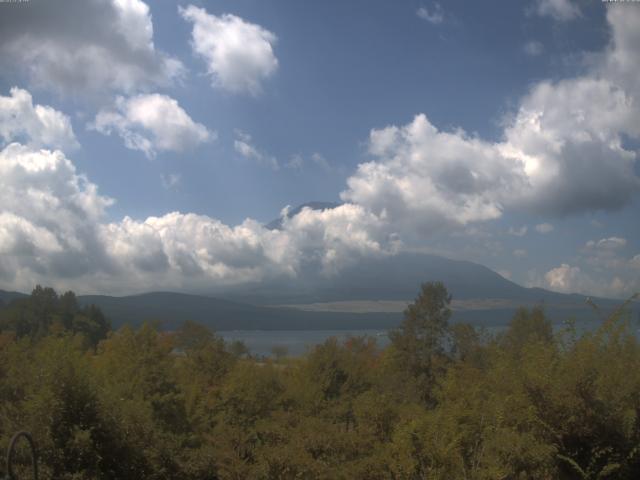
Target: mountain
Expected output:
[364,294]
[8,297]
[171,309]
[396,277]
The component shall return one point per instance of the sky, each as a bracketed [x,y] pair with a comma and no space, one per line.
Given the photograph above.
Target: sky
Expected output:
[143,146]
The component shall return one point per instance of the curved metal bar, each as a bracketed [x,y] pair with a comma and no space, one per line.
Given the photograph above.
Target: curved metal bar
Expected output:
[11,450]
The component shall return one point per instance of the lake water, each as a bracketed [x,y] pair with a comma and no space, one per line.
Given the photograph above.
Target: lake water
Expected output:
[298,342]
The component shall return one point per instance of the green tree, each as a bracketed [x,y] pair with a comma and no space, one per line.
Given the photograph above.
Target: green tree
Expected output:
[44,312]
[419,342]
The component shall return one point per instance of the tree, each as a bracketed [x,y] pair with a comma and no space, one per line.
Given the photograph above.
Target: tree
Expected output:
[527,327]
[279,352]
[419,342]
[44,312]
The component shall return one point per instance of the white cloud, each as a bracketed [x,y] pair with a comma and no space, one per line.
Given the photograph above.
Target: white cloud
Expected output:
[87,47]
[533,48]
[518,232]
[520,253]
[567,135]
[37,125]
[152,123]
[562,152]
[433,179]
[565,278]
[434,16]
[53,230]
[195,251]
[601,269]
[239,54]
[48,219]
[243,144]
[297,162]
[611,243]
[544,228]
[573,279]
[561,10]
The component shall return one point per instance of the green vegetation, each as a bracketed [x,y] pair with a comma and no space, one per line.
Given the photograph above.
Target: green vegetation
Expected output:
[441,402]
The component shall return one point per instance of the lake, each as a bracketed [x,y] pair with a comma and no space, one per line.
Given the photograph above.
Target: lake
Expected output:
[298,342]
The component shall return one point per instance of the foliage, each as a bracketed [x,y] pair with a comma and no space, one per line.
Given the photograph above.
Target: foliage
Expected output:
[441,402]
[44,313]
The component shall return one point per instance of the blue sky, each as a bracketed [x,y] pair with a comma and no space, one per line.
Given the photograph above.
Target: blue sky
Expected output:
[419,116]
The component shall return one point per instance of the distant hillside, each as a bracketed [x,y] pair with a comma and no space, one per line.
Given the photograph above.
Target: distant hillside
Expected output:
[171,309]
[313,301]
[396,277]
[7,297]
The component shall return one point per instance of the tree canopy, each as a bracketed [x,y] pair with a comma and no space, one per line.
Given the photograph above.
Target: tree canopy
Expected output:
[442,401]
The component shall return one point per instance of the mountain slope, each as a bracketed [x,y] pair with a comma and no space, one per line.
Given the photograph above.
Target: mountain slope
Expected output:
[171,309]
[395,277]
[8,297]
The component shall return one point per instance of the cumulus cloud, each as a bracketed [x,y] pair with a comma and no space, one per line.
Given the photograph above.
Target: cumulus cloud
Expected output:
[544,228]
[433,178]
[48,218]
[562,151]
[564,278]
[600,269]
[152,123]
[37,125]
[561,10]
[53,229]
[573,279]
[239,54]
[434,15]
[84,47]
[243,144]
